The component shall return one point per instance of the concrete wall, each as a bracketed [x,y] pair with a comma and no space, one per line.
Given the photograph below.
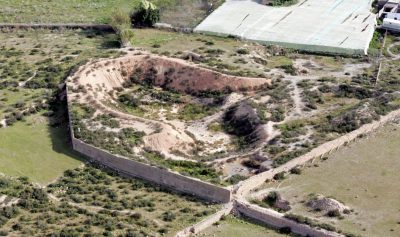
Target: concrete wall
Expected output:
[153,174]
[277,220]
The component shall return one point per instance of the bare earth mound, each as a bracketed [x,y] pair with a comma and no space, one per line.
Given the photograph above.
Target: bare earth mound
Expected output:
[98,83]
[325,204]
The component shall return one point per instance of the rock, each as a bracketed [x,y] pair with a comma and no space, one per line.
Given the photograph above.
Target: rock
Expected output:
[324,204]
[242,120]
[191,56]
[282,204]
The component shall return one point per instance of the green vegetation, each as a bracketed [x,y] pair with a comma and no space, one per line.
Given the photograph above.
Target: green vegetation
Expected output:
[195,169]
[91,202]
[367,194]
[310,222]
[127,138]
[121,23]
[376,43]
[279,3]
[37,150]
[195,111]
[217,53]
[176,12]
[35,141]
[147,14]
[230,226]
[35,64]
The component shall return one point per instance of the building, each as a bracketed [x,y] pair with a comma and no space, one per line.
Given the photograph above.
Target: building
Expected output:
[387,7]
[328,26]
[390,13]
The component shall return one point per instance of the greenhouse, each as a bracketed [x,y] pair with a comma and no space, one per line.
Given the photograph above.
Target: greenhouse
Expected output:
[329,26]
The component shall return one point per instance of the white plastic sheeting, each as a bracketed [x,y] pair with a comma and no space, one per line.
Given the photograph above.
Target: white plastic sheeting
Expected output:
[333,26]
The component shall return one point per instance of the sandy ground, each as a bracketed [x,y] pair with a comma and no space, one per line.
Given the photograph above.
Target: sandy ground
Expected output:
[101,78]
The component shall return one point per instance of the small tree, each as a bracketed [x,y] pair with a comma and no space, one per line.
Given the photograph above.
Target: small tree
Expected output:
[120,21]
[146,15]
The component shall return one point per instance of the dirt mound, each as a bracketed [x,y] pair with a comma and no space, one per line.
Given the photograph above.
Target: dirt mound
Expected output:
[324,204]
[169,73]
[99,82]
[243,121]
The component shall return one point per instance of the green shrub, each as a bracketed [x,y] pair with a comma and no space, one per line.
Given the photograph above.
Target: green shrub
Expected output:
[279,176]
[234,179]
[146,15]
[242,51]
[295,170]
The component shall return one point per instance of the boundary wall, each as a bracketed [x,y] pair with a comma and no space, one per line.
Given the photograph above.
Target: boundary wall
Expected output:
[277,220]
[247,185]
[55,26]
[153,174]
[149,173]
[204,224]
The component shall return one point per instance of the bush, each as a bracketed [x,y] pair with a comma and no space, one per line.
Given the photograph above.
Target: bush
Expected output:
[234,179]
[279,176]
[242,51]
[333,213]
[168,216]
[146,15]
[120,21]
[295,170]
[271,198]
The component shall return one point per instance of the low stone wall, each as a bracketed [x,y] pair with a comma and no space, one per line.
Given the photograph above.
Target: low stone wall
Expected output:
[204,224]
[100,27]
[277,220]
[153,174]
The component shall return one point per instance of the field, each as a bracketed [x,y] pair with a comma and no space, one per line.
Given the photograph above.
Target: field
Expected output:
[36,150]
[363,176]
[34,142]
[235,227]
[305,101]
[186,13]
[88,201]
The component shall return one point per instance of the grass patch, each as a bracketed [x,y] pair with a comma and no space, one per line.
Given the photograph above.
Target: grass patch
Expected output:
[363,176]
[36,150]
[187,13]
[235,227]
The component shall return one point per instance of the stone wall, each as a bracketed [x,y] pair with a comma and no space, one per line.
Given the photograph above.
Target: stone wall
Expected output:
[153,174]
[277,220]
[204,224]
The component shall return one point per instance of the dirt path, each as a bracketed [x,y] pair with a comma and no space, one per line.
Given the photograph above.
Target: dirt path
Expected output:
[22,84]
[393,55]
[243,190]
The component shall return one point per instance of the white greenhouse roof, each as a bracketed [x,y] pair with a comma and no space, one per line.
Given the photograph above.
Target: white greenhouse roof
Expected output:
[335,26]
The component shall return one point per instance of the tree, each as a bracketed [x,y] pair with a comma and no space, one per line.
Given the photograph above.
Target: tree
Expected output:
[146,15]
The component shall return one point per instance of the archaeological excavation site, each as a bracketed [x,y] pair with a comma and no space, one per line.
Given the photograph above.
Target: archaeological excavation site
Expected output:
[200,118]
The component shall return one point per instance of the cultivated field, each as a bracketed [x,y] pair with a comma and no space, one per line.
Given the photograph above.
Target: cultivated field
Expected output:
[362,176]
